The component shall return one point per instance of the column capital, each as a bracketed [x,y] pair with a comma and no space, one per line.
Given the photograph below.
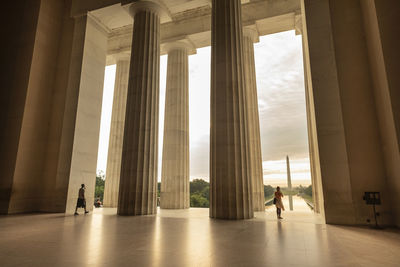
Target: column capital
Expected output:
[184,44]
[154,6]
[252,33]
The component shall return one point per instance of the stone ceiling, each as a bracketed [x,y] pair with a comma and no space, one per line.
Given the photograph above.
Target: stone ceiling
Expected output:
[115,16]
[190,20]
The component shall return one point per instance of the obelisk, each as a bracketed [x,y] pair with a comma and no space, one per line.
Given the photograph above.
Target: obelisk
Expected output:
[289,183]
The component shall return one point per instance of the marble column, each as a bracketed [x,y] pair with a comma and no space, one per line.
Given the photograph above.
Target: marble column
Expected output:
[175,193]
[312,140]
[138,181]
[230,181]
[256,171]
[311,124]
[113,171]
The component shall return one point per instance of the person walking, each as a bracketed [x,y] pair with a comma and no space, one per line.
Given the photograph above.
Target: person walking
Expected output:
[278,202]
[81,203]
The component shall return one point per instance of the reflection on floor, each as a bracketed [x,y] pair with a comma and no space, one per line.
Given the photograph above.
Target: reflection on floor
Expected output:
[301,212]
[190,238]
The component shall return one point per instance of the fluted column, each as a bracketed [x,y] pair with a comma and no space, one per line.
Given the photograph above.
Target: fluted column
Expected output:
[230,181]
[113,171]
[138,184]
[175,193]
[256,171]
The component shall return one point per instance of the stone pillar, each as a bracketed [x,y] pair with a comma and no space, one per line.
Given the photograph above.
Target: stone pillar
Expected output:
[312,138]
[311,125]
[175,193]
[138,182]
[256,170]
[83,112]
[116,132]
[230,182]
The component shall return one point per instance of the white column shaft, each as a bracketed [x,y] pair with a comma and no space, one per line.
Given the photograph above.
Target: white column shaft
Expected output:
[138,184]
[116,134]
[256,170]
[175,192]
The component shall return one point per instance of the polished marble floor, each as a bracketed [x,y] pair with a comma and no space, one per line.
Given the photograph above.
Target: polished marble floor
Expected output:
[191,238]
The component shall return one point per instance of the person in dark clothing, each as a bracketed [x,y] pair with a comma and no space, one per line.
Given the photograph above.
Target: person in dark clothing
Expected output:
[97,203]
[278,202]
[81,200]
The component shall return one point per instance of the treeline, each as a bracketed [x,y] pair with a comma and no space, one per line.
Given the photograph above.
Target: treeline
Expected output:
[200,191]
[268,192]
[99,188]
[297,190]
[305,190]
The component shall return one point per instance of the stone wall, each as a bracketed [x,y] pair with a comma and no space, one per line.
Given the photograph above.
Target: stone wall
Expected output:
[356,147]
[30,59]
[53,61]
[17,52]
[380,18]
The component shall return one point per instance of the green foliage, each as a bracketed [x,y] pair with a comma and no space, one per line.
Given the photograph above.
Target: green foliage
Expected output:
[306,190]
[199,201]
[268,191]
[99,188]
[286,192]
[199,193]
[306,193]
[301,190]
[197,185]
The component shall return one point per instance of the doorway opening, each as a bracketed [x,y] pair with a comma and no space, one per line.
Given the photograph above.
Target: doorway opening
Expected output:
[284,123]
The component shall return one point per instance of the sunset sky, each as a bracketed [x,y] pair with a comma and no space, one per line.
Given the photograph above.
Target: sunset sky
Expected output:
[281,99]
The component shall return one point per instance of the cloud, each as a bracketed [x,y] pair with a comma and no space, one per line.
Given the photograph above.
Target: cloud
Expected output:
[280,86]
[275,172]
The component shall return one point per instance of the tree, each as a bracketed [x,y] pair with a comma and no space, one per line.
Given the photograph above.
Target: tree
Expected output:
[268,191]
[199,193]
[197,200]
[306,190]
[198,185]
[99,188]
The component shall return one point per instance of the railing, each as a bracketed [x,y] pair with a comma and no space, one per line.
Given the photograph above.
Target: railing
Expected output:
[308,202]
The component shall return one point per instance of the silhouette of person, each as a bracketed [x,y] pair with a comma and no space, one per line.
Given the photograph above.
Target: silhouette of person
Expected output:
[81,203]
[278,202]
[97,204]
